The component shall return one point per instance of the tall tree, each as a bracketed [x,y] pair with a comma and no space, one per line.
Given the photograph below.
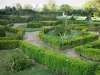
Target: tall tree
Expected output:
[50,6]
[19,9]
[28,6]
[65,8]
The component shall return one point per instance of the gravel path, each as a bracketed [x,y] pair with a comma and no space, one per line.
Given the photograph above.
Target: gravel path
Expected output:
[33,38]
[19,24]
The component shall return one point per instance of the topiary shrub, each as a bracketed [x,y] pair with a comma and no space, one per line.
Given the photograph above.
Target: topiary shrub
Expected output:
[2,32]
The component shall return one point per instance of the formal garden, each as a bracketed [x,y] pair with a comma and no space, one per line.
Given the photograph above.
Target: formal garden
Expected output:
[64,41]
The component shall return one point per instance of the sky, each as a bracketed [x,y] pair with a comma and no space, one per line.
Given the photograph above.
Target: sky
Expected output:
[76,3]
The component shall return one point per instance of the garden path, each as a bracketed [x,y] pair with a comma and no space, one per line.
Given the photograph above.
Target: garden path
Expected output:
[33,38]
[18,24]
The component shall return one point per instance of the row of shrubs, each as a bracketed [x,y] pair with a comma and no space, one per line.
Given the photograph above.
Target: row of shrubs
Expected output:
[18,36]
[5,22]
[63,44]
[9,44]
[80,27]
[40,24]
[90,51]
[58,62]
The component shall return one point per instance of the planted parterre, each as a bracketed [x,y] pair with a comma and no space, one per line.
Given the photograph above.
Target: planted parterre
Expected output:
[63,44]
[18,34]
[52,60]
[90,51]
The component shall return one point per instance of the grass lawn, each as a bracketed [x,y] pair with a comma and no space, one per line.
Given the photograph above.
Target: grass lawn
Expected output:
[98,72]
[33,70]
[24,27]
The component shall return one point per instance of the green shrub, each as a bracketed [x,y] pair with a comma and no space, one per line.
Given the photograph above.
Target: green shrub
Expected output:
[2,32]
[58,62]
[15,61]
[90,51]
[19,62]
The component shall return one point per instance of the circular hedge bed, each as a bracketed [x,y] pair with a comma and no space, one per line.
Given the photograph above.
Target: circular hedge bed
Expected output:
[63,44]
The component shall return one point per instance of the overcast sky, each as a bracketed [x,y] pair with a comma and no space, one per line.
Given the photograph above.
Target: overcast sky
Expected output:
[3,3]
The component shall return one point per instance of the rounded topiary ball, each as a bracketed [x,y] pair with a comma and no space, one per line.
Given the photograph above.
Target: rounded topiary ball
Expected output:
[2,32]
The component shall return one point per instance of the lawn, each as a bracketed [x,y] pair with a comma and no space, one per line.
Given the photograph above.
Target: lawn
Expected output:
[33,70]
[24,27]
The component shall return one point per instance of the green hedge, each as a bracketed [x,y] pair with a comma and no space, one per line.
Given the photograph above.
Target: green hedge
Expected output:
[49,23]
[8,44]
[18,36]
[90,51]
[84,26]
[58,62]
[63,44]
[33,25]
[40,24]
[4,22]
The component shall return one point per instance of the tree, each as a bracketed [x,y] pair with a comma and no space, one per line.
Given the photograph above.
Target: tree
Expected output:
[50,6]
[93,7]
[28,6]
[65,8]
[45,8]
[19,9]
[8,9]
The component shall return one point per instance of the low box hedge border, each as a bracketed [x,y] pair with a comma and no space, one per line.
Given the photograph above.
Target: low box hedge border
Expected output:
[9,44]
[58,62]
[40,24]
[18,36]
[52,60]
[90,51]
[63,44]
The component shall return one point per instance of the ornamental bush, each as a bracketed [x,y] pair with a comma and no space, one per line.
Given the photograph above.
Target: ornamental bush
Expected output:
[19,62]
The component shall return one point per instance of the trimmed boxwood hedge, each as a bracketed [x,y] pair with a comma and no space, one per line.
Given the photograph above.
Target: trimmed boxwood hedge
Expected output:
[58,62]
[18,36]
[90,51]
[4,22]
[54,61]
[80,27]
[40,24]
[8,44]
[63,44]
[33,25]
